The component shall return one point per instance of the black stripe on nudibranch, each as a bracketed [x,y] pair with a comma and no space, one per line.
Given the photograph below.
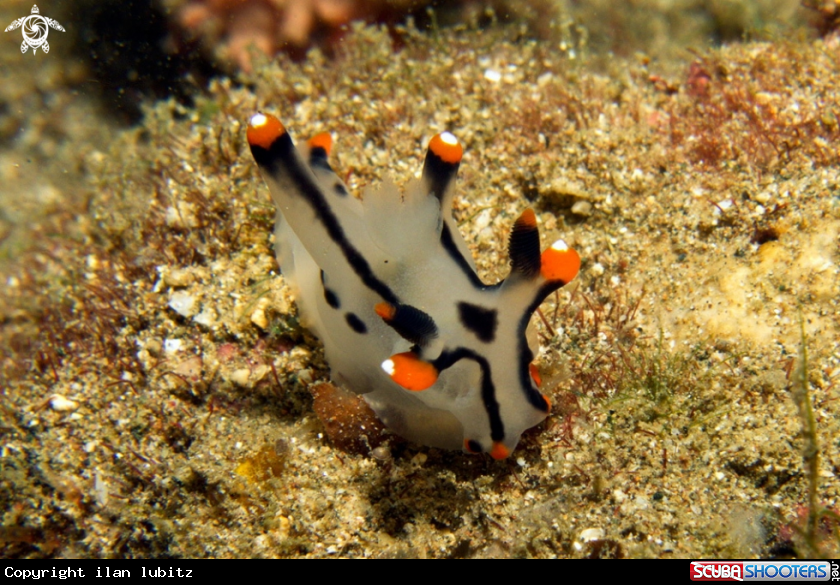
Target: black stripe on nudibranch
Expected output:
[488,390]
[524,354]
[448,243]
[524,357]
[329,294]
[355,323]
[479,320]
[524,245]
[278,157]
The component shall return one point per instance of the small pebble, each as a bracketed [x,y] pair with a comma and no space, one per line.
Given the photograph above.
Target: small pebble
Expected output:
[589,534]
[183,303]
[62,404]
[582,208]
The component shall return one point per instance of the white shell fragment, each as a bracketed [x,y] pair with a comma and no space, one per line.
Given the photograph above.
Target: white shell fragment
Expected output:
[582,208]
[183,303]
[62,404]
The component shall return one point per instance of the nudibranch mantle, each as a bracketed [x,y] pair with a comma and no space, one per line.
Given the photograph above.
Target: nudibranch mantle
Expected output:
[389,286]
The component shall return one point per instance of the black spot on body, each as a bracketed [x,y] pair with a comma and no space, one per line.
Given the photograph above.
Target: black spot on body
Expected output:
[355,323]
[482,322]
[331,298]
[329,295]
[340,189]
[412,324]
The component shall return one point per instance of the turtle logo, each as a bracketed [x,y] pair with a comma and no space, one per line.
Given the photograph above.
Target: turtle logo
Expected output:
[35,30]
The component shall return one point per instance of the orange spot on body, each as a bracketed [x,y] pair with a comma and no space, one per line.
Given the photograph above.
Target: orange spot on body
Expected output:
[410,372]
[385,310]
[499,451]
[322,140]
[560,262]
[264,129]
[447,147]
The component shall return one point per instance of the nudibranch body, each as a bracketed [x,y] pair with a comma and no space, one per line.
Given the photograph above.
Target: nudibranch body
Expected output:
[389,286]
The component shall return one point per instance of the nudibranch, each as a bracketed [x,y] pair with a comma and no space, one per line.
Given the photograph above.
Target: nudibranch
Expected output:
[389,286]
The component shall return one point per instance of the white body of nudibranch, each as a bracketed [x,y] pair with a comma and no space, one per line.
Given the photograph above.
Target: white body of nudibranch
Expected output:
[389,286]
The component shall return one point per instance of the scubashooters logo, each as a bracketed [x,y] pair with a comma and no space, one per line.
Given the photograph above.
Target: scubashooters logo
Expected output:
[762,570]
[35,29]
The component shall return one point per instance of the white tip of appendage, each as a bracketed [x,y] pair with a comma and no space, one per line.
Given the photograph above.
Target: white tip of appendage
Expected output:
[389,367]
[258,120]
[448,138]
[560,246]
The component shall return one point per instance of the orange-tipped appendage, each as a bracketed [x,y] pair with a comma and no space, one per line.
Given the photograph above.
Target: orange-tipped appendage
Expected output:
[322,140]
[385,310]
[447,147]
[410,372]
[528,219]
[560,262]
[499,451]
[264,129]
